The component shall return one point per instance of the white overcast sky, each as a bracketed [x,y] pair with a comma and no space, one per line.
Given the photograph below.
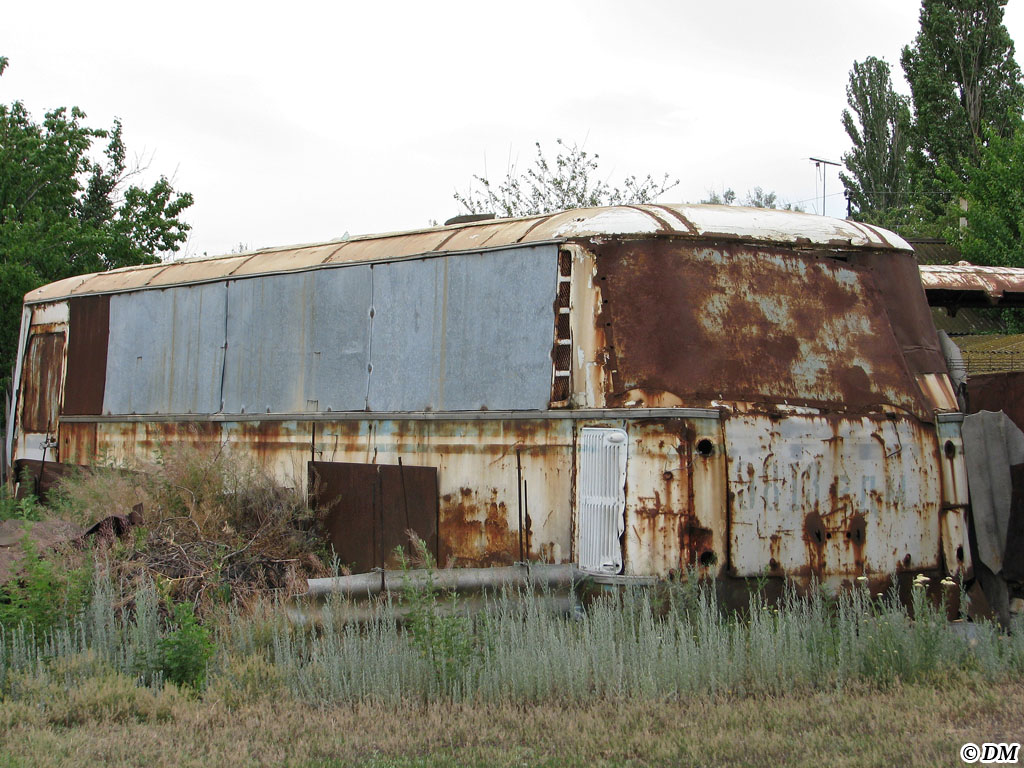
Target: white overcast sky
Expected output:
[297,122]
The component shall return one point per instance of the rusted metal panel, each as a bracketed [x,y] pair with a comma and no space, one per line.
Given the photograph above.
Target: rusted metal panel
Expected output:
[828,496]
[675,516]
[486,471]
[78,443]
[938,391]
[370,510]
[682,221]
[286,259]
[196,270]
[389,247]
[41,379]
[898,281]
[968,285]
[953,524]
[706,324]
[165,351]
[40,478]
[124,279]
[88,333]
[491,234]
[55,314]
[997,392]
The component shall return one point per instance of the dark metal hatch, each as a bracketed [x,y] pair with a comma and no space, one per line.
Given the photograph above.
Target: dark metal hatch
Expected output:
[369,510]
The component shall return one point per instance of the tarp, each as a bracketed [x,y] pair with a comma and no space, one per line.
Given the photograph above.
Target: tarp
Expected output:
[992,445]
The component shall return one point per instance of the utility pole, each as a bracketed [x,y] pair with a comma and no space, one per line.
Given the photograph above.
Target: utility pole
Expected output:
[818,162]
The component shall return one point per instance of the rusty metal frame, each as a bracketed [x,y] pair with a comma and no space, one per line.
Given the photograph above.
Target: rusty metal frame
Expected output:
[575,413]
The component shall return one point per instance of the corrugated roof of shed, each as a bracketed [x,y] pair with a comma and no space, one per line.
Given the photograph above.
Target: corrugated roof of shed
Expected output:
[704,221]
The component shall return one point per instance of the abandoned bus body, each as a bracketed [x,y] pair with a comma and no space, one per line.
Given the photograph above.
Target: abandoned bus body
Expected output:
[634,390]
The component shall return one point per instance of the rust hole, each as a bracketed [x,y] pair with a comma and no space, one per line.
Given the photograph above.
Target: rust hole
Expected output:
[828,535]
[960,554]
[950,449]
[705,447]
[906,561]
[708,558]
[667,474]
[773,564]
[818,535]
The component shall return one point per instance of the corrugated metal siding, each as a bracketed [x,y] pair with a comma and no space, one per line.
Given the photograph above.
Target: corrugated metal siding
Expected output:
[460,332]
[495,313]
[298,342]
[165,351]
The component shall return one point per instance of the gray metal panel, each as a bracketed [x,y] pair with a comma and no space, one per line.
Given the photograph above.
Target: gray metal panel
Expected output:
[165,351]
[408,335]
[463,332]
[499,329]
[298,342]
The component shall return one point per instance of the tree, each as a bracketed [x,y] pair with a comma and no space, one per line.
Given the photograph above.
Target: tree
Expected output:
[570,181]
[964,81]
[879,128]
[727,197]
[64,213]
[994,192]
[758,198]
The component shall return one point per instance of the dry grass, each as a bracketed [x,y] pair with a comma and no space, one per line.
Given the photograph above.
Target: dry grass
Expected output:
[116,724]
[216,526]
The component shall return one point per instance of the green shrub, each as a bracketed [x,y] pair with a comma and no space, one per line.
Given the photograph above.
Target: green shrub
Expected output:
[440,630]
[45,595]
[12,508]
[186,651]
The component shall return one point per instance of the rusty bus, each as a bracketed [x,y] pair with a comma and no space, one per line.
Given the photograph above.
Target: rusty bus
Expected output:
[631,390]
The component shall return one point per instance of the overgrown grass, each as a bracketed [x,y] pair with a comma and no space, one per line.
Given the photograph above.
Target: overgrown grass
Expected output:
[516,650]
[175,625]
[216,527]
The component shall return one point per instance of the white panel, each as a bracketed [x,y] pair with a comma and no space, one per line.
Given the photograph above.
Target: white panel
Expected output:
[602,499]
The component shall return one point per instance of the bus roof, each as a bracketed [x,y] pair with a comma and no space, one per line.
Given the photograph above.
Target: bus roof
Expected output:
[720,222]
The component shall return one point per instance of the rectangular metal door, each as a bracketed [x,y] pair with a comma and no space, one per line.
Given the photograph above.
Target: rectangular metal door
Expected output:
[602,499]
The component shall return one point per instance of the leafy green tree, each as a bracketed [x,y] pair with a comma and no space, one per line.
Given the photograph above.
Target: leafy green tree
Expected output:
[994,191]
[65,212]
[879,178]
[569,181]
[965,84]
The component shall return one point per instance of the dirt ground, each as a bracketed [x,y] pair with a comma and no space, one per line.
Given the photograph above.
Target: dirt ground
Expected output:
[44,534]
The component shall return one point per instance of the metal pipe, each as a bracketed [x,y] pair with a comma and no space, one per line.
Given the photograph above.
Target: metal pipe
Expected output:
[362,585]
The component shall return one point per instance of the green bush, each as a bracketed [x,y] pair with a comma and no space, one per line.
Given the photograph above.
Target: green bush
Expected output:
[12,508]
[186,651]
[45,595]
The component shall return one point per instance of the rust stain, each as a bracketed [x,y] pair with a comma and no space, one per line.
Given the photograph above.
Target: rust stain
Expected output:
[763,324]
[44,366]
[475,531]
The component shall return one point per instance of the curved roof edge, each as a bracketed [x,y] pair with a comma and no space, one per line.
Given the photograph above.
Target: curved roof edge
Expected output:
[758,225]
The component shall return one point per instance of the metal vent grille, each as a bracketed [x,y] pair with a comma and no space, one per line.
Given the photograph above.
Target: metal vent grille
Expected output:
[602,499]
